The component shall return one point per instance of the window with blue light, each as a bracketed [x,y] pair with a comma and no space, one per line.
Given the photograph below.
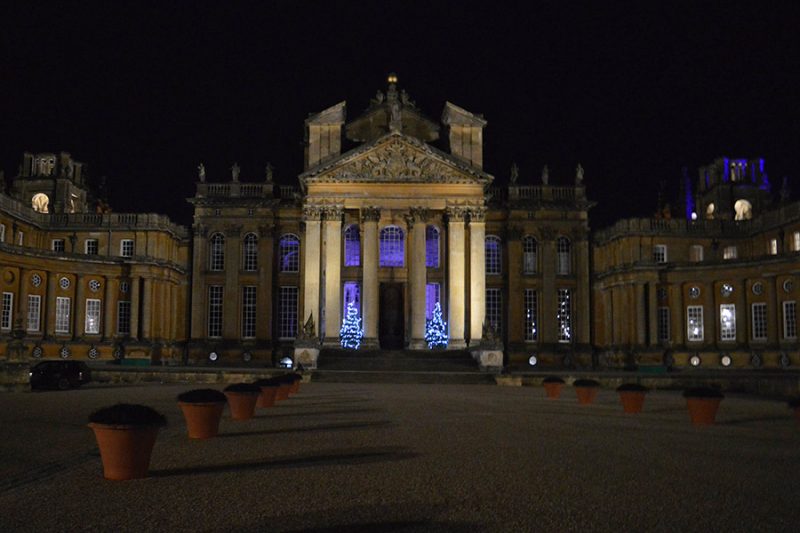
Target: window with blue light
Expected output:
[352,294]
[391,247]
[432,247]
[289,250]
[432,297]
[352,246]
[493,265]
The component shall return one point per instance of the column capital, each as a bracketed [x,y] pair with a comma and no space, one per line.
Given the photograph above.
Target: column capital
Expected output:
[200,230]
[234,230]
[370,214]
[312,213]
[416,214]
[456,213]
[477,214]
[333,213]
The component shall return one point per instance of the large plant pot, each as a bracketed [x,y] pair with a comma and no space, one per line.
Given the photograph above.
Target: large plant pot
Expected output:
[703,411]
[125,450]
[268,396]
[295,388]
[797,414]
[586,395]
[632,401]
[242,404]
[202,419]
[552,390]
[283,391]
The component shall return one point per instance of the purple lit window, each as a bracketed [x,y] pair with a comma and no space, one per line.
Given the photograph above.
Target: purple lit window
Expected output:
[493,255]
[391,247]
[432,294]
[352,293]
[289,253]
[352,246]
[431,247]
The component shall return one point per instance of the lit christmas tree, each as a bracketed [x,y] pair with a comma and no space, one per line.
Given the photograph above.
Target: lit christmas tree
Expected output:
[350,334]
[436,329]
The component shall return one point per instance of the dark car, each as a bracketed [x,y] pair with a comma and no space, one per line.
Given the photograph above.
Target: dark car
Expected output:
[60,374]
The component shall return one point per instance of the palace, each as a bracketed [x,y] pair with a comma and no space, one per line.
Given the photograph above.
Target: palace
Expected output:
[394,214]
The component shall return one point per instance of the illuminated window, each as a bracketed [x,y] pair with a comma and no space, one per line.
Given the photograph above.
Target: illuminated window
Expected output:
[250,253]
[58,245]
[248,312]
[730,252]
[563,256]
[493,263]
[126,247]
[352,293]
[287,312]
[564,315]
[531,302]
[352,246]
[431,247]
[8,305]
[289,249]
[796,240]
[216,252]
[123,317]
[20,238]
[91,247]
[772,247]
[34,312]
[432,297]
[529,255]
[215,311]
[494,309]
[63,305]
[694,323]
[391,247]
[92,322]
[2,233]
[759,319]
[660,253]
[727,322]
[790,320]
[695,253]
[663,324]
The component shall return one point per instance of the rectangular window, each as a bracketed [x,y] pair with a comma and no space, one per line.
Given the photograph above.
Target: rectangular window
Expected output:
[796,239]
[58,245]
[494,309]
[531,302]
[564,315]
[34,312]
[215,311]
[790,320]
[727,322]
[2,233]
[92,323]
[759,321]
[660,253]
[63,305]
[8,306]
[432,297]
[694,323]
[91,246]
[696,253]
[248,312]
[352,293]
[123,317]
[663,324]
[772,247]
[287,312]
[730,252]
[126,248]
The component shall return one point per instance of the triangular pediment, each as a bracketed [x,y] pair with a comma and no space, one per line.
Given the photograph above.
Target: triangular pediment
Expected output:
[395,158]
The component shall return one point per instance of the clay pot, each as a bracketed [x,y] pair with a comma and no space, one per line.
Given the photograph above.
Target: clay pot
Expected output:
[797,414]
[283,391]
[268,395]
[295,388]
[703,411]
[242,404]
[586,395]
[632,401]
[125,449]
[553,390]
[202,419]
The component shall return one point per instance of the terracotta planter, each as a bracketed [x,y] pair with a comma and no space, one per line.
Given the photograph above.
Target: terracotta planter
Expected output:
[632,401]
[295,388]
[553,390]
[242,404]
[797,414]
[586,395]
[125,450]
[268,396]
[283,391]
[202,419]
[703,411]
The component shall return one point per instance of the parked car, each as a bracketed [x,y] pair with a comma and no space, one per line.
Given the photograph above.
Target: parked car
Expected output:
[60,374]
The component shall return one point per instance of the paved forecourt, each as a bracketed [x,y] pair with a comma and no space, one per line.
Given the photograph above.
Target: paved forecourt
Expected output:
[384,457]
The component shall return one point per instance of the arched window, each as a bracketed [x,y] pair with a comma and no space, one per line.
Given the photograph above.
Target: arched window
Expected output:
[391,247]
[289,253]
[563,256]
[493,265]
[250,252]
[529,252]
[216,252]
[352,246]
[432,247]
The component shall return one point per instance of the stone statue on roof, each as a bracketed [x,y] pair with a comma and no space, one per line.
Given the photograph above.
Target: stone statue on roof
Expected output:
[514,174]
[579,175]
[268,172]
[201,172]
[235,172]
[545,175]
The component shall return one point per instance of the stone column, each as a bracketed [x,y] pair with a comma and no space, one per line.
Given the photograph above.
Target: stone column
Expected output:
[774,311]
[333,274]
[652,306]
[742,325]
[231,296]
[548,325]
[264,311]
[677,315]
[312,216]
[582,312]
[50,305]
[608,316]
[135,306]
[369,290]
[516,313]
[477,274]
[417,276]
[199,293]
[641,330]
[79,313]
[108,329]
[456,273]
[147,309]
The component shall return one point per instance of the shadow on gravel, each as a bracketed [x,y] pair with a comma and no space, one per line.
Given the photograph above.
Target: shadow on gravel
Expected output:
[269,414]
[737,421]
[332,457]
[323,427]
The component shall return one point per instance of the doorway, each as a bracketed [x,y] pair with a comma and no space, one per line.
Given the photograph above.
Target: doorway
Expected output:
[391,323]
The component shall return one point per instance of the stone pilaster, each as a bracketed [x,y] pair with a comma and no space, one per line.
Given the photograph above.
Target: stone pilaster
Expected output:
[333,274]
[79,309]
[415,221]
[548,327]
[641,331]
[136,306]
[109,303]
[312,216]
[264,311]
[231,297]
[516,332]
[652,307]
[199,292]
[477,274]
[456,276]
[147,309]
[677,315]
[369,290]
[50,305]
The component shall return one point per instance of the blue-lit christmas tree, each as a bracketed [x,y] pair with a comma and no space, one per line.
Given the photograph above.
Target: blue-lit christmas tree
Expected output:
[350,334]
[436,329]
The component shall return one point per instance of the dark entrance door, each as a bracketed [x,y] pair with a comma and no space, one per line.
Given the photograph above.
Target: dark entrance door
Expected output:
[391,320]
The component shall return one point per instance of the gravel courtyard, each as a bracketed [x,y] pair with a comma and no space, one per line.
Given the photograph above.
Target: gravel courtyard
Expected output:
[363,457]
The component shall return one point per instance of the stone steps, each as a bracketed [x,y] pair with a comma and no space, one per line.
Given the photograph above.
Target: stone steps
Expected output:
[394,376]
[397,360]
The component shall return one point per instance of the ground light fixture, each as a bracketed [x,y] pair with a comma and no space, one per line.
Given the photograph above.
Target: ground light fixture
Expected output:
[286,362]
[247,356]
[213,356]
[695,360]
[533,360]
[725,360]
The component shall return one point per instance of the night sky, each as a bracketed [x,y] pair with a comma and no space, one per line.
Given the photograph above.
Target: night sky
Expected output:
[142,92]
